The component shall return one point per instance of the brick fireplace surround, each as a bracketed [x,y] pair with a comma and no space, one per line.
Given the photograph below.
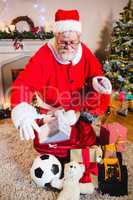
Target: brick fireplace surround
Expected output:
[8,54]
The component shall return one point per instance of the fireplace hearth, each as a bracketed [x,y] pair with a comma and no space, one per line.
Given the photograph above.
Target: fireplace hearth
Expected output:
[11,63]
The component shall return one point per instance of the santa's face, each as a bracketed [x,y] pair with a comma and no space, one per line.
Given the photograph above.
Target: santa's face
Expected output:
[67,45]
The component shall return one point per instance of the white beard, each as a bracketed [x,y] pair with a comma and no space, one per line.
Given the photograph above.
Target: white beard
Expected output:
[67,56]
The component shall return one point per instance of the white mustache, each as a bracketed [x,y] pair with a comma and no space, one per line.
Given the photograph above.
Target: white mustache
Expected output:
[67,56]
[66,51]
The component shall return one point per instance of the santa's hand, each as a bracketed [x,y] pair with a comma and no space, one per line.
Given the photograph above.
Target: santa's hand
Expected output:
[23,116]
[102,85]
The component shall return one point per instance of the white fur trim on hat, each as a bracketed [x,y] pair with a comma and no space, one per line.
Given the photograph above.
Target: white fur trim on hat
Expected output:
[67,25]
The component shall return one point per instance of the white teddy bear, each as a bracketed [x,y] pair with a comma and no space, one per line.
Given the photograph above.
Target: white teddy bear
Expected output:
[71,188]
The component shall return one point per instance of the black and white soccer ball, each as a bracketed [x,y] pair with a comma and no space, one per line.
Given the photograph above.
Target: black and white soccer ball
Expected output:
[45,169]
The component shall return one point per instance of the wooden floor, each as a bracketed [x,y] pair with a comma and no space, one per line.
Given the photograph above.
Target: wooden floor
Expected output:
[125,121]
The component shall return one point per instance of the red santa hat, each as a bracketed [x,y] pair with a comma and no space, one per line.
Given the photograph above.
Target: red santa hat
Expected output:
[67,20]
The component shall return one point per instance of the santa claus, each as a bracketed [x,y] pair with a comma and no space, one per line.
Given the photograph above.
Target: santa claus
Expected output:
[64,74]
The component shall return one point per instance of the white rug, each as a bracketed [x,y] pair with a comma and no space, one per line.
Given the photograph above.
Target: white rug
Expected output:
[16,159]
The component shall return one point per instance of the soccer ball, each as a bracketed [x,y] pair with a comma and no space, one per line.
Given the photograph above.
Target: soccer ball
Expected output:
[45,169]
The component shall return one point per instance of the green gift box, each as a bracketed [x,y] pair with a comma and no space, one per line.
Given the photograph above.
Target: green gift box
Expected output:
[76,155]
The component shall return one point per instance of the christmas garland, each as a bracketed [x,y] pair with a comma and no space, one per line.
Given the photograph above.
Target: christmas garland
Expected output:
[24,18]
[33,33]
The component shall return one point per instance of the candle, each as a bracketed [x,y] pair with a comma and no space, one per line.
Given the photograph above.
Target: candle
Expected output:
[12,27]
[7,30]
[7,105]
[46,27]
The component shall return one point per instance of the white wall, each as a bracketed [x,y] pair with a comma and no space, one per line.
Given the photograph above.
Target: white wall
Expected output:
[94,13]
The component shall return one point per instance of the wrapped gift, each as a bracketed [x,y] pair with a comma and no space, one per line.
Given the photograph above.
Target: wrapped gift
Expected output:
[130,105]
[83,156]
[57,126]
[95,152]
[117,135]
[50,133]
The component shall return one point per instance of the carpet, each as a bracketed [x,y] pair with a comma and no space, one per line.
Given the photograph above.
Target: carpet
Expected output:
[16,158]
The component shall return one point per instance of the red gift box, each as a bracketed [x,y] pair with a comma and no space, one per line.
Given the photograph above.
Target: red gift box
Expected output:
[90,167]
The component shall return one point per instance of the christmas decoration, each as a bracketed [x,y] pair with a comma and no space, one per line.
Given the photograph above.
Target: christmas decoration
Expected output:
[123,110]
[23,18]
[15,32]
[5,113]
[130,105]
[17,44]
[118,65]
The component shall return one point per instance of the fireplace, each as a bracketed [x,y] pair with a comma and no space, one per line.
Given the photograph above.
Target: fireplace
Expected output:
[9,73]
[15,73]
[12,62]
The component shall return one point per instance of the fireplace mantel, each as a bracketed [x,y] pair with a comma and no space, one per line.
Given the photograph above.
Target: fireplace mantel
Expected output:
[8,54]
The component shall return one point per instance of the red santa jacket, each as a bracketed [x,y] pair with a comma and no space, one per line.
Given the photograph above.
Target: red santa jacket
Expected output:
[62,85]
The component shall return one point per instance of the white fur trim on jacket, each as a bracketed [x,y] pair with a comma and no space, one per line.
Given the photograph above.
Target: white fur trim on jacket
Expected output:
[22,111]
[51,45]
[67,25]
[103,86]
